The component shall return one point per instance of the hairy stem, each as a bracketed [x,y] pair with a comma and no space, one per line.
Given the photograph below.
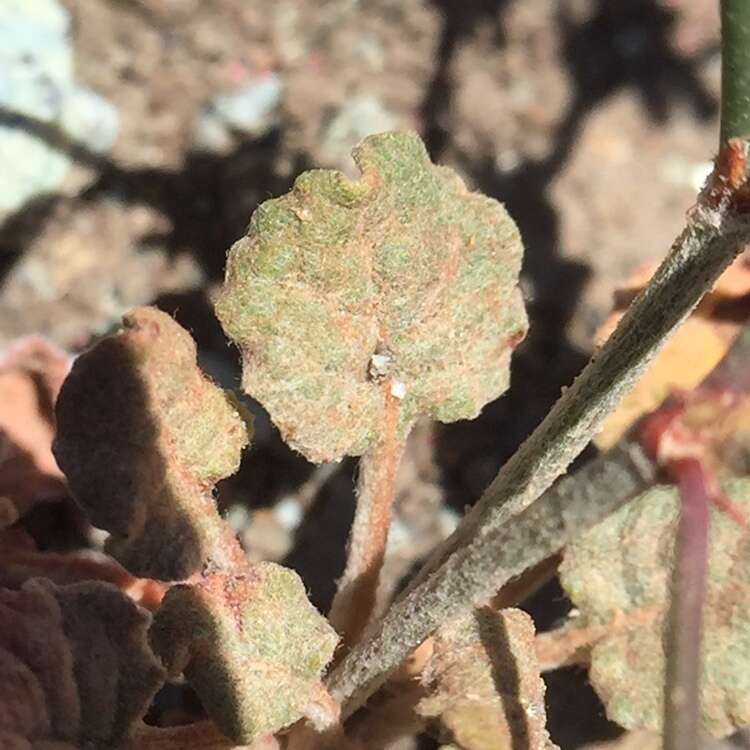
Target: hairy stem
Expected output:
[735,69]
[473,574]
[482,554]
[355,599]
[682,714]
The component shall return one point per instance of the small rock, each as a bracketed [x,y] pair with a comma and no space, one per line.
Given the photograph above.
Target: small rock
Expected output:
[42,105]
[359,117]
[249,110]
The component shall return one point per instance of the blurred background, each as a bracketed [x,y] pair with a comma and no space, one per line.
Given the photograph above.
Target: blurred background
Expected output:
[137,137]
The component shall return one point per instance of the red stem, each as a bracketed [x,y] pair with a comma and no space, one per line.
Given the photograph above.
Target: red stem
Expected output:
[682,704]
[355,600]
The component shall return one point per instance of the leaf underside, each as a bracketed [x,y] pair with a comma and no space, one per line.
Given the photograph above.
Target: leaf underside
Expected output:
[483,683]
[618,575]
[137,440]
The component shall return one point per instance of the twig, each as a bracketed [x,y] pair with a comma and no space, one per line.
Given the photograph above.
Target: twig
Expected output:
[567,646]
[735,69]
[376,487]
[570,645]
[483,553]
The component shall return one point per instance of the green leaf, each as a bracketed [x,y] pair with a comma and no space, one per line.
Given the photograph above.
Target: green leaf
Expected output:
[484,684]
[251,645]
[137,429]
[339,285]
[618,575]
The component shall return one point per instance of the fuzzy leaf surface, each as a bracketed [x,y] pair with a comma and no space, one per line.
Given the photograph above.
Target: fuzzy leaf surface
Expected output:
[484,683]
[339,285]
[251,645]
[143,437]
[77,668]
[618,575]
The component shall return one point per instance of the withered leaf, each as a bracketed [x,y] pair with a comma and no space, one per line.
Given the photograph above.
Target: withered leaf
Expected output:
[77,669]
[251,645]
[689,355]
[19,563]
[618,575]
[402,277]
[143,437]
[31,373]
[484,683]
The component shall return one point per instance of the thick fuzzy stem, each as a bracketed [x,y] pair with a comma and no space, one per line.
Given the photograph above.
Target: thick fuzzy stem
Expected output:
[376,488]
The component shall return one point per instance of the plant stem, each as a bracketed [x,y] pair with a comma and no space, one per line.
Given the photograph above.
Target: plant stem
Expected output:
[682,646]
[735,69]
[682,711]
[570,645]
[355,599]
[482,553]
[487,562]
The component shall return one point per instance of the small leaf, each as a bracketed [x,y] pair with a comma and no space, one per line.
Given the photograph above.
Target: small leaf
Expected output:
[618,575]
[403,276]
[252,646]
[76,666]
[143,437]
[484,683]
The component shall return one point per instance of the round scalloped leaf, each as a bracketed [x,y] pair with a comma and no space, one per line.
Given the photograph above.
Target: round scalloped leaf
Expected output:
[618,575]
[143,436]
[252,646]
[402,276]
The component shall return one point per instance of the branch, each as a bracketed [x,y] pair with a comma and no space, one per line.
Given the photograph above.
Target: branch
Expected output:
[735,69]
[484,553]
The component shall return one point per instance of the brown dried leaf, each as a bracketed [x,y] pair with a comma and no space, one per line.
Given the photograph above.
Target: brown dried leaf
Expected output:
[630,741]
[692,352]
[19,563]
[137,439]
[77,671]
[402,278]
[31,373]
[251,645]
[618,575]
[484,683]
[201,735]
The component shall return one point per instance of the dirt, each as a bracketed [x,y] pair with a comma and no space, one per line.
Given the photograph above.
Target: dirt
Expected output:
[592,120]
